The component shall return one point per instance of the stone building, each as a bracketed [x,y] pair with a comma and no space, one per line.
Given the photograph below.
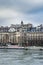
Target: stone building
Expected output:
[22,34]
[35,38]
[22,38]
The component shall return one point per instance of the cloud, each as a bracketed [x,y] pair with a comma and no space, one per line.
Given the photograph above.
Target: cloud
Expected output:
[7,13]
[9,16]
[22,5]
[13,11]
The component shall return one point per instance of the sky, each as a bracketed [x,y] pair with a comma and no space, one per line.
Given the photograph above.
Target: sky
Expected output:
[15,11]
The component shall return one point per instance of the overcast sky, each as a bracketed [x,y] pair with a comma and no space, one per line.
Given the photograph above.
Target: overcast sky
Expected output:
[13,11]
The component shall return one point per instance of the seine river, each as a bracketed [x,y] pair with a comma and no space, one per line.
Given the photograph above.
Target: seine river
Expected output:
[21,57]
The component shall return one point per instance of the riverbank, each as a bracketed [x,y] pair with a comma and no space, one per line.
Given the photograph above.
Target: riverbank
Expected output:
[19,47]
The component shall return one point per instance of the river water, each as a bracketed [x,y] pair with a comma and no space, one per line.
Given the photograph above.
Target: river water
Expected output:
[21,57]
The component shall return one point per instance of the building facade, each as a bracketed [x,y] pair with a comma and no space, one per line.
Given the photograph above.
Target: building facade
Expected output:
[22,34]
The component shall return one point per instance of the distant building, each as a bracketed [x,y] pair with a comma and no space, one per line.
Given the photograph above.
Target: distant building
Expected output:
[22,28]
[11,29]
[4,29]
[21,23]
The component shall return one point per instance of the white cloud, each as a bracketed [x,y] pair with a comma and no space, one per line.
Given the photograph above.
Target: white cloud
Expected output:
[32,1]
[25,6]
[10,16]
[14,11]
[7,13]
[22,5]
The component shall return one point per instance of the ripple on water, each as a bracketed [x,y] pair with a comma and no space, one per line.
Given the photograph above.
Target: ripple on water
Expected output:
[21,57]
